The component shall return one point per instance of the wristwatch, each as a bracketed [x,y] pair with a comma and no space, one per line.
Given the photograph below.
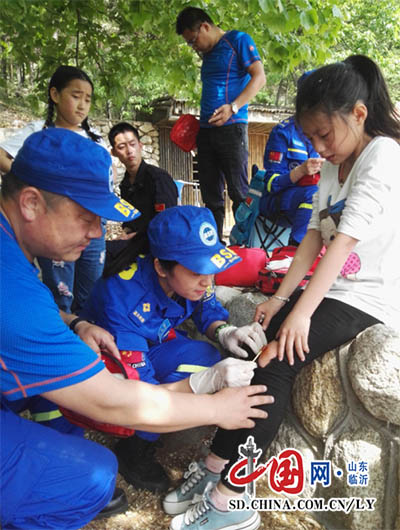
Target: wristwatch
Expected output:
[76,321]
[234,107]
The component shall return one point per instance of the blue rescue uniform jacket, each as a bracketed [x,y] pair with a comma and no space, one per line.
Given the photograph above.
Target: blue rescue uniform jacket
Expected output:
[287,148]
[133,307]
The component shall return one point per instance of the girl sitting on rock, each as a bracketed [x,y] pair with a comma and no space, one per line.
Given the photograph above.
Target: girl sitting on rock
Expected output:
[346,112]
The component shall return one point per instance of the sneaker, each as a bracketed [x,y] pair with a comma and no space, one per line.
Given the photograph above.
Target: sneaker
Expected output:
[204,516]
[138,466]
[196,479]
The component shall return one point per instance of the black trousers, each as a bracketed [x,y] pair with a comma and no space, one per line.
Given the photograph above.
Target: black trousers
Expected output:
[222,156]
[333,324]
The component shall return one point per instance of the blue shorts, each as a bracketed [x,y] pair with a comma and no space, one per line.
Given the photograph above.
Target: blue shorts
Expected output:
[49,479]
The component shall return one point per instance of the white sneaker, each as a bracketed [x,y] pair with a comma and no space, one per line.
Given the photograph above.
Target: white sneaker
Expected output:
[204,516]
[196,479]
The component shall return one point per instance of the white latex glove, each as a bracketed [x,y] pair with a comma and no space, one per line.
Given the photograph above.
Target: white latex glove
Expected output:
[231,338]
[229,372]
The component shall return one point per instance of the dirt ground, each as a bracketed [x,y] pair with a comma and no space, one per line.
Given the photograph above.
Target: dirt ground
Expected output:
[179,449]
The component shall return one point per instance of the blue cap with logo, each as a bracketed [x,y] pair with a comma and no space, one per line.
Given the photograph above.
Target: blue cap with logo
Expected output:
[66,163]
[188,235]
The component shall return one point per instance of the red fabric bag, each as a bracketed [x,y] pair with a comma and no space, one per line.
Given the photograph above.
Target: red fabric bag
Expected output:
[115,366]
[244,273]
[184,132]
[309,180]
[270,277]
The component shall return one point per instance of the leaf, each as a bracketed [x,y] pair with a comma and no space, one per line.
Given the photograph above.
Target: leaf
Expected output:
[309,19]
[264,5]
[336,12]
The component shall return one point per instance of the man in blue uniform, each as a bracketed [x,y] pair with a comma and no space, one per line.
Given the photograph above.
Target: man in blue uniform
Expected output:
[142,306]
[232,74]
[292,172]
[51,203]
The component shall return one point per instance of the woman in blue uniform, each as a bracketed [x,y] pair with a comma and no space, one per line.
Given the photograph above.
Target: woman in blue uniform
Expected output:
[143,303]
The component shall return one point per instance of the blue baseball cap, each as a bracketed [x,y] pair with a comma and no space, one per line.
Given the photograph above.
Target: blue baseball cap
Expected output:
[188,235]
[66,163]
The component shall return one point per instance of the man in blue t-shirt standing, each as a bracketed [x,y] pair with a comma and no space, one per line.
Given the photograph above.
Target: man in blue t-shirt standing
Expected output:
[232,74]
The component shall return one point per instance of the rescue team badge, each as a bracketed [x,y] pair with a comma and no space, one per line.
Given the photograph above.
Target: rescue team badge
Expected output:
[208,234]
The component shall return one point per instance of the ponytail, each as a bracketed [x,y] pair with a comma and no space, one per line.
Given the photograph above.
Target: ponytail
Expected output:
[382,119]
[50,113]
[337,88]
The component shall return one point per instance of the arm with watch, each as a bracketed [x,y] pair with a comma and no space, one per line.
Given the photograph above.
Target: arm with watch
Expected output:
[94,336]
[222,114]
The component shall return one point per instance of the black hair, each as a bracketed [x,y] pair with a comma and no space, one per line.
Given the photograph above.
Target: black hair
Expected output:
[337,88]
[119,128]
[168,264]
[122,260]
[11,185]
[191,18]
[59,80]
[139,245]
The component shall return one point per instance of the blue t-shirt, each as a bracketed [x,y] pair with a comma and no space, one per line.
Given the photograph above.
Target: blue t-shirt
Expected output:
[133,307]
[39,352]
[224,74]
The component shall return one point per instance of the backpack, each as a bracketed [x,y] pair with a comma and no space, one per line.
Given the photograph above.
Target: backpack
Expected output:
[248,210]
[120,369]
[244,273]
[271,276]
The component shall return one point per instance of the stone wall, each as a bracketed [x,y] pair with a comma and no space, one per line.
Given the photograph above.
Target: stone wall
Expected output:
[149,136]
[345,408]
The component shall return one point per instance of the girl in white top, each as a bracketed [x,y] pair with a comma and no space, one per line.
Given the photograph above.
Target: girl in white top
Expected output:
[70,92]
[345,110]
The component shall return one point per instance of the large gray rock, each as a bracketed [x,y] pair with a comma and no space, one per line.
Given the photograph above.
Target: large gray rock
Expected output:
[242,308]
[146,140]
[318,406]
[374,371]
[226,294]
[357,444]
[288,437]
[146,127]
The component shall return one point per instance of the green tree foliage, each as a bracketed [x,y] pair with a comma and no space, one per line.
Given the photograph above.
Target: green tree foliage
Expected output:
[372,27]
[130,48]
[132,53]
